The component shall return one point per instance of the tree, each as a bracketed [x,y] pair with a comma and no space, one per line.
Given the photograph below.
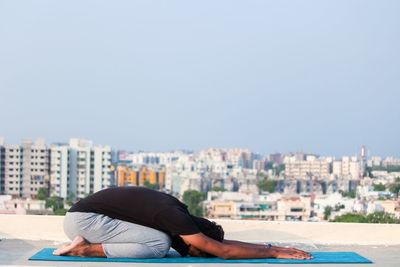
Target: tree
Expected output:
[389,168]
[368,171]
[376,217]
[57,205]
[218,189]
[351,218]
[70,199]
[381,217]
[339,206]
[395,187]
[379,187]
[149,185]
[41,194]
[193,199]
[267,185]
[60,211]
[280,168]
[269,166]
[327,212]
[350,194]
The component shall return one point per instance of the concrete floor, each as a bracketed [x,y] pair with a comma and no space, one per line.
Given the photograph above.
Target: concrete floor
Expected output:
[15,252]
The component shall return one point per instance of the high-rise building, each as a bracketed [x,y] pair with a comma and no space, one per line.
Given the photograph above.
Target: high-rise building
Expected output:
[347,167]
[26,168]
[363,159]
[79,168]
[60,183]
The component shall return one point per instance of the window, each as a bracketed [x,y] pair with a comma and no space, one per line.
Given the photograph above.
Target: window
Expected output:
[296,209]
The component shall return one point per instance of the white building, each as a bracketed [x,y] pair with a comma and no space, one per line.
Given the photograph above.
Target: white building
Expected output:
[79,169]
[26,168]
[347,167]
[311,166]
[9,205]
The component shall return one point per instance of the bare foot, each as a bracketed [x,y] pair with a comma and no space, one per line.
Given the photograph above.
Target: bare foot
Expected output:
[76,243]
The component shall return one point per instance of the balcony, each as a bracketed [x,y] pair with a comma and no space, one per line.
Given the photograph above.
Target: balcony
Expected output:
[378,242]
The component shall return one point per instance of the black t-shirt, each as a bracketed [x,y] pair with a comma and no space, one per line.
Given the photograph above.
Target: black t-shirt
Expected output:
[145,207]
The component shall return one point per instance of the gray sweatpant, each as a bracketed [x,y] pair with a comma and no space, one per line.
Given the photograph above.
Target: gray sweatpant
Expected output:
[119,238]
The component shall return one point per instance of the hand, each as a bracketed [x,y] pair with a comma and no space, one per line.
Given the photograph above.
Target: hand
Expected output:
[291,253]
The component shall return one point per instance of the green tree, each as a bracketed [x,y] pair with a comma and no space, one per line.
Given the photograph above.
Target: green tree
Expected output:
[379,187]
[376,217]
[269,166]
[60,211]
[339,206]
[393,168]
[327,212]
[395,187]
[389,168]
[381,217]
[280,168]
[57,204]
[260,174]
[350,194]
[193,199]
[218,189]
[149,185]
[350,217]
[368,171]
[267,185]
[41,194]
[70,199]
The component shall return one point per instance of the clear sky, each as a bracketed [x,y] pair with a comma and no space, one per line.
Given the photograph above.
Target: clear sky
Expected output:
[271,76]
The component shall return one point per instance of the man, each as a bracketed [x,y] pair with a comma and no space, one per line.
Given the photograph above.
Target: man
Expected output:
[138,222]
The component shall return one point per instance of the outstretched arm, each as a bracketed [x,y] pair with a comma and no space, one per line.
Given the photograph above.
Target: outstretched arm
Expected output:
[240,250]
[281,252]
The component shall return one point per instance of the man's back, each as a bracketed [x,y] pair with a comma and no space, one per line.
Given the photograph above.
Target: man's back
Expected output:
[133,204]
[143,206]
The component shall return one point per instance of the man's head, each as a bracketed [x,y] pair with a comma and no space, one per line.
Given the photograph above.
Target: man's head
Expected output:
[210,229]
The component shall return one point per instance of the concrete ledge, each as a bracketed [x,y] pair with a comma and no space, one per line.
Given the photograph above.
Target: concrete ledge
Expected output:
[40,227]
[313,232]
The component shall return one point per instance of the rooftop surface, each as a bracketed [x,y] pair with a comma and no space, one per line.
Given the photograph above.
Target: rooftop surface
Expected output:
[23,235]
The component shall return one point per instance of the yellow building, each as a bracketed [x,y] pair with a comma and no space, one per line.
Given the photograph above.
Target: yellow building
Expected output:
[127,176]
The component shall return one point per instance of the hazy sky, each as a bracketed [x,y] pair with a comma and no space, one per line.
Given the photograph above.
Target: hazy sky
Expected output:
[313,76]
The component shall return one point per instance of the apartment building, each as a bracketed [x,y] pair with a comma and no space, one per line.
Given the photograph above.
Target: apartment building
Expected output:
[60,183]
[249,206]
[347,167]
[79,168]
[311,166]
[128,176]
[26,168]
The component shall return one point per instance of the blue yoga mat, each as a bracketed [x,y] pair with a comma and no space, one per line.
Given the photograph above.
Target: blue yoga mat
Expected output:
[319,257]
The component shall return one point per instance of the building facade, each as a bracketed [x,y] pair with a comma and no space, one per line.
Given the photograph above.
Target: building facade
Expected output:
[311,166]
[26,168]
[79,169]
[131,176]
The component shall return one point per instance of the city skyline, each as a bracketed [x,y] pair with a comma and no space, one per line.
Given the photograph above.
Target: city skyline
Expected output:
[368,153]
[268,76]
